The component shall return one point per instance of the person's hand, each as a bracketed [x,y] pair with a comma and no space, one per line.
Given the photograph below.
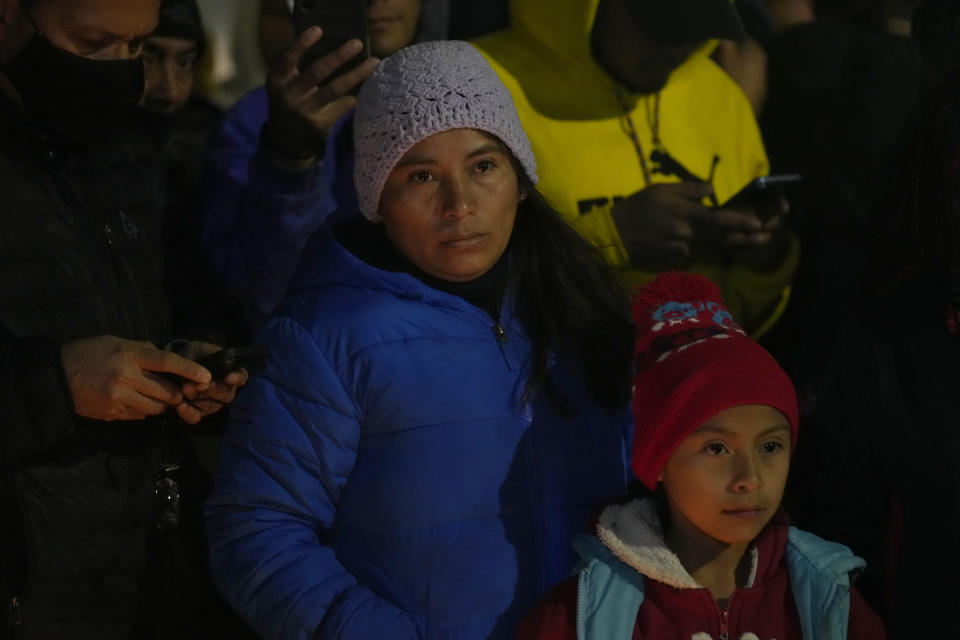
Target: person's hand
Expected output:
[303,105]
[763,247]
[111,378]
[201,400]
[658,224]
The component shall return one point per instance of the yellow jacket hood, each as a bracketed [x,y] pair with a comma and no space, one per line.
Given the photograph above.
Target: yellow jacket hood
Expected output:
[575,85]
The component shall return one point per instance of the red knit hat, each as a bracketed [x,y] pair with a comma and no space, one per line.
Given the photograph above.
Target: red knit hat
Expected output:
[692,362]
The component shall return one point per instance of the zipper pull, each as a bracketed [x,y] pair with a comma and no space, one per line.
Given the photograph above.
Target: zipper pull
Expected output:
[14,615]
[499,333]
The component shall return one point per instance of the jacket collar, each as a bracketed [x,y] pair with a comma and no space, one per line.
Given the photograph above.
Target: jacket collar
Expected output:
[326,262]
[634,533]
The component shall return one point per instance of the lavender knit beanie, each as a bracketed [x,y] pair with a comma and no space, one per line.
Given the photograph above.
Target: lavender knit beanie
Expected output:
[425,89]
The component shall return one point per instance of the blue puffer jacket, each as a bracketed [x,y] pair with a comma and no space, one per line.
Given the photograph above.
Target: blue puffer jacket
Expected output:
[383,479]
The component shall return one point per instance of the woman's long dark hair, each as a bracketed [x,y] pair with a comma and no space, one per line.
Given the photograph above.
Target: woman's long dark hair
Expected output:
[570,301]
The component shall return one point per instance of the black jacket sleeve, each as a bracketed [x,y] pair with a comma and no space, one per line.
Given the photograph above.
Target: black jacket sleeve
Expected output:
[36,408]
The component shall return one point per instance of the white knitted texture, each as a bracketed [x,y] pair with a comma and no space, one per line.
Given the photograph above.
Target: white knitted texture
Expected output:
[422,90]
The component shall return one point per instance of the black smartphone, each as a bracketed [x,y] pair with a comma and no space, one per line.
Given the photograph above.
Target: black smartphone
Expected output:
[220,363]
[341,20]
[763,194]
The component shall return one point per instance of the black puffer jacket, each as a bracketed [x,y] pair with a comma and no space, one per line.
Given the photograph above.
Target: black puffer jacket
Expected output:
[80,257]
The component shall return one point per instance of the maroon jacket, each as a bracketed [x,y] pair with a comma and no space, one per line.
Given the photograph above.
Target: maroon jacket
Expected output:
[675,608]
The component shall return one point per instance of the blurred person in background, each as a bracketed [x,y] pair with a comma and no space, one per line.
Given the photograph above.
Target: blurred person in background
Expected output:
[887,485]
[747,61]
[282,161]
[642,136]
[842,90]
[183,122]
[170,55]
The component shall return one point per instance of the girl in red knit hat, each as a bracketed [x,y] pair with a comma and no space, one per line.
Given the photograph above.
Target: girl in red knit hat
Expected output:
[709,554]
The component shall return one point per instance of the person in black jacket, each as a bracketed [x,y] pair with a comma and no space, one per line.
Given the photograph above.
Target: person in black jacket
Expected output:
[886,419]
[87,481]
[841,92]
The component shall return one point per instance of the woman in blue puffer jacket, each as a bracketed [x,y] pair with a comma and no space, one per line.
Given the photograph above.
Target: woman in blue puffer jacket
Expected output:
[446,398]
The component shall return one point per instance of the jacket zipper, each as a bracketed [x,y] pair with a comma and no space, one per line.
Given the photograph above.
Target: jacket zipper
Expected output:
[725,618]
[501,336]
[124,274]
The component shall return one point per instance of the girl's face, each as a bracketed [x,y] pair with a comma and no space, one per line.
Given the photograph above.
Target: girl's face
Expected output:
[727,478]
[450,202]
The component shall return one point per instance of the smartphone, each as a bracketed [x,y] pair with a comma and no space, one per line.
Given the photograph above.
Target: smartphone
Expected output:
[341,20]
[220,363]
[763,194]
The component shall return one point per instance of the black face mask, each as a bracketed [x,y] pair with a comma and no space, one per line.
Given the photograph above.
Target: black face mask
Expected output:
[83,99]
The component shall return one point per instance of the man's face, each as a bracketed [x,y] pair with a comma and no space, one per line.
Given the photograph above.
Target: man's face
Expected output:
[168,71]
[392,24]
[632,57]
[96,29]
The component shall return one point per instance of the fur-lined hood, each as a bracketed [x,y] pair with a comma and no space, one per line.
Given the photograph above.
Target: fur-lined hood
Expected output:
[629,584]
[634,533]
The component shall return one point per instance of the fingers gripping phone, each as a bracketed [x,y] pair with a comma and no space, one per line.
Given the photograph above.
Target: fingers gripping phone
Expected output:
[762,195]
[341,20]
[226,361]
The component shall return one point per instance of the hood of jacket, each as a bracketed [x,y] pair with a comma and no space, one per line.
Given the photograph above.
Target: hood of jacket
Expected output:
[634,533]
[816,573]
[560,30]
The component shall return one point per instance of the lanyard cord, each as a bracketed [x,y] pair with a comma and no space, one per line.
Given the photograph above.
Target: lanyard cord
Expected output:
[632,132]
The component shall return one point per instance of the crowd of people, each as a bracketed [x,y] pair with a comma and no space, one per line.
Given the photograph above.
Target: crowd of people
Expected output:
[531,371]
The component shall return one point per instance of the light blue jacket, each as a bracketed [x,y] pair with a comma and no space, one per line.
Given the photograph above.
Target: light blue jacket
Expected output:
[610,592]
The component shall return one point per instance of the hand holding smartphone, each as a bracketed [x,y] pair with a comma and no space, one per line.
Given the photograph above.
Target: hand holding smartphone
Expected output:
[309,86]
[224,362]
[340,20]
[762,195]
[196,404]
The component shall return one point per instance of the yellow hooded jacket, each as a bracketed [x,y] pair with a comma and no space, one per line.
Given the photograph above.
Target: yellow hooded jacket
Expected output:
[586,159]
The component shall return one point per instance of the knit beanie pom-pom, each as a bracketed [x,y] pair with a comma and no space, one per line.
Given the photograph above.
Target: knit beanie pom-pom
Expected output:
[671,286]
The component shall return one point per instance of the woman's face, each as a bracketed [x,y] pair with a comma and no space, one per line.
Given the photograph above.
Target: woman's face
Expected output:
[450,202]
